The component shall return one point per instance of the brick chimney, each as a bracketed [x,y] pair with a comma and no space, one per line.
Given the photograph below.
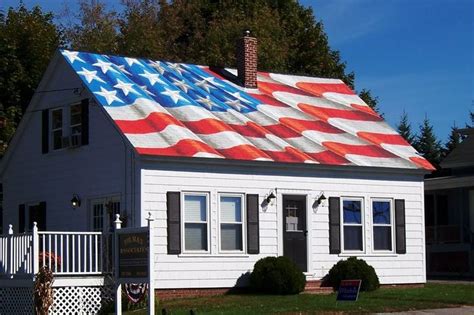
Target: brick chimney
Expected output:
[247,60]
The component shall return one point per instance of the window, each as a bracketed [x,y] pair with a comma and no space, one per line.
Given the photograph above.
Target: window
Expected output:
[382,219]
[352,219]
[61,136]
[231,223]
[196,222]
[75,120]
[102,214]
[57,128]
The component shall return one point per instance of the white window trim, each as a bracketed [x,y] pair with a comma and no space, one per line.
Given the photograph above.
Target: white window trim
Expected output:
[183,222]
[71,126]
[391,225]
[362,225]
[52,130]
[243,223]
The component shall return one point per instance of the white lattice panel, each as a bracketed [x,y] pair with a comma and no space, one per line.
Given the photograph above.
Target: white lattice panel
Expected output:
[79,300]
[16,301]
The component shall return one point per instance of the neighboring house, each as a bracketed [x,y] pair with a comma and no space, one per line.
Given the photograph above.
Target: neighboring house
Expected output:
[449,213]
[233,165]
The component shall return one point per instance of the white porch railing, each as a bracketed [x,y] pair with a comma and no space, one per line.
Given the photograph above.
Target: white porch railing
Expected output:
[65,253]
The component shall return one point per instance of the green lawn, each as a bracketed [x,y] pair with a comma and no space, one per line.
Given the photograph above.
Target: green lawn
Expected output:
[382,300]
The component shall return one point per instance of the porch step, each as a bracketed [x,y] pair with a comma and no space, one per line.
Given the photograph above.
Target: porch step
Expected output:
[314,287]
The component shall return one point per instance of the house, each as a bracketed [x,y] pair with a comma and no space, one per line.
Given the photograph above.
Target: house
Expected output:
[234,165]
[449,217]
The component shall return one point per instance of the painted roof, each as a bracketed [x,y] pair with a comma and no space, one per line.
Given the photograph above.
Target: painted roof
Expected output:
[185,110]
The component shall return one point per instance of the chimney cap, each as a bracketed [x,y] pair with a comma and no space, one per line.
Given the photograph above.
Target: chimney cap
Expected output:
[247,32]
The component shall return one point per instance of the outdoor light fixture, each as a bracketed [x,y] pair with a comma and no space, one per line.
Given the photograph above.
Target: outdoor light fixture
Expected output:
[75,201]
[270,197]
[321,199]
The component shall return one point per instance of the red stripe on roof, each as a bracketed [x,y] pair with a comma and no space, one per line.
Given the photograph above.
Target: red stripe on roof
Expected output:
[244,152]
[301,125]
[250,129]
[364,150]
[379,138]
[155,122]
[282,131]
[290,155]
[327,113]
[319,89]
[266,99]
[422,162]
[365,109]
[328,157]
[207,126]
[269,88]
[186,148]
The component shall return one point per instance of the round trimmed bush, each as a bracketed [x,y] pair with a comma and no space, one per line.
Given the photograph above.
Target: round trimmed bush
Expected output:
[353,269]
[277,275]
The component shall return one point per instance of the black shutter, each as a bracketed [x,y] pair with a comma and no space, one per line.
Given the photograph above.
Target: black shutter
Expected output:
[400,230]
[21,218]
[334,225]
[253,228]
[41,217]
[85,121]
[173,204]
[45,131]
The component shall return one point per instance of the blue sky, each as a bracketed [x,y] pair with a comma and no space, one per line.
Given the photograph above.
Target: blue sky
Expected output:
[416,56]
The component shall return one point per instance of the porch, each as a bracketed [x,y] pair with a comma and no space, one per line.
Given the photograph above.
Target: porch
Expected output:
[81,263]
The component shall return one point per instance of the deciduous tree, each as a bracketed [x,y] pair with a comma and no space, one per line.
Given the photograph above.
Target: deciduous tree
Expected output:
[28,39]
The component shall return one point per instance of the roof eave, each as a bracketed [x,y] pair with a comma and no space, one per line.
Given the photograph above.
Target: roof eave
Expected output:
[280,165]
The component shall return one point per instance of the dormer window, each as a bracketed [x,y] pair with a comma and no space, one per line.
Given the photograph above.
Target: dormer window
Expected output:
[65,127]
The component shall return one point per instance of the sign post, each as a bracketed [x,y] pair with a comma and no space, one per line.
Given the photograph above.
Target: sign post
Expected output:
[134,261]
[151,266]
[118,285]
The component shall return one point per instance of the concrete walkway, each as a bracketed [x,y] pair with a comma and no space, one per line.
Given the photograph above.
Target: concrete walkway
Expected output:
[464,310]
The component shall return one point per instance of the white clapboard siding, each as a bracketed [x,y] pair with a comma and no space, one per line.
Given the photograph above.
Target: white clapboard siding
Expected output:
[95,170]
[217,270]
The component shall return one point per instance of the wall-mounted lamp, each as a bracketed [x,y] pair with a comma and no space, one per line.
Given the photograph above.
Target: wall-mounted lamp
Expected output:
[75,201]
[321,199]
[270,197]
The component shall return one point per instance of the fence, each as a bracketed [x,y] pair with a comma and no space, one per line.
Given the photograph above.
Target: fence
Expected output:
[65,253]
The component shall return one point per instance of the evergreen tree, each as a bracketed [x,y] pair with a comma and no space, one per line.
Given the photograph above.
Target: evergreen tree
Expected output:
[453,141]
[427,144]
[370,100]
[404,129]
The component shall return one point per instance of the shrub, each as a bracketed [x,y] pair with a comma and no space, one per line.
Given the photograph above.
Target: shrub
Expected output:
[277,275]
[352,269]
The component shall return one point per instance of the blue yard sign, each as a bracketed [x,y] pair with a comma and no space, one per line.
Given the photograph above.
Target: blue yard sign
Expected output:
[348,290]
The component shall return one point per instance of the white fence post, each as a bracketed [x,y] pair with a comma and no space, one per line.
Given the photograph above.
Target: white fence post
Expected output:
[35,259]
[151,267]
[10,251]
[118,286]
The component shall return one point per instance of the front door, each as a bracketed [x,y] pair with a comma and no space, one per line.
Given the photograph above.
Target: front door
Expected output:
[294,230]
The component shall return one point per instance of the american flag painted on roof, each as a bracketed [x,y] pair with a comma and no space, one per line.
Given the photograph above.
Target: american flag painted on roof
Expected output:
[185,110]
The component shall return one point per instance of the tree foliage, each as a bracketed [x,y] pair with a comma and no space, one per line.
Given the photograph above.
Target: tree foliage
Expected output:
[427,144]
[290,38]
[28,39]
[404,129]
[454,139]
